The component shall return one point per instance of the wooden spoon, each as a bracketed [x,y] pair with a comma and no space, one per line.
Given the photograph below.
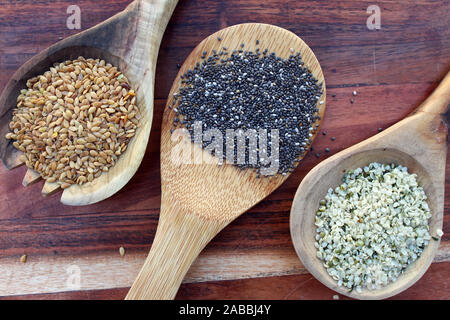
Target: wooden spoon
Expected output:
[418,142]
[199,200]
[129,40]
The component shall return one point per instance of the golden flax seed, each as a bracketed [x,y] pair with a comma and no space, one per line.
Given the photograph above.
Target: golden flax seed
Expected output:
[74,121]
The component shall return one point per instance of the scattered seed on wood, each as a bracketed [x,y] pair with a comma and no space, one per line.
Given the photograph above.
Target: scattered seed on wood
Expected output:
[122,251]
[333,138]
[352,101]
[355,93]
[324,133]
[317,155]
[327,149]
[380,129]
[334,95]
[23,258]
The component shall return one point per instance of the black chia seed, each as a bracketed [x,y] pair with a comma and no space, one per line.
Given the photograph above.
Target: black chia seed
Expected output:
[327,149]
[333,138]
[252,90]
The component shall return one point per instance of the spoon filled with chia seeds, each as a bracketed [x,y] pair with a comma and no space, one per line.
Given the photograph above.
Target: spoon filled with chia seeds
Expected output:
[241,114]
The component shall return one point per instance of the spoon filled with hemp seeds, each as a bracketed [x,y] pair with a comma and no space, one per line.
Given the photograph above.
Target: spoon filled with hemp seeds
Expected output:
[367,221]
[241,114]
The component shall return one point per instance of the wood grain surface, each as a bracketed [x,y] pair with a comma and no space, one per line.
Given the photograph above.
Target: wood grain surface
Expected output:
[392,69]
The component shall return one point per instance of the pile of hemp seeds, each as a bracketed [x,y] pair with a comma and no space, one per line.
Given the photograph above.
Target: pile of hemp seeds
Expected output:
[242,90]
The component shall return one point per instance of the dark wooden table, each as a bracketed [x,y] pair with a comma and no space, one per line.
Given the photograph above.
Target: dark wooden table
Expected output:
[392,69]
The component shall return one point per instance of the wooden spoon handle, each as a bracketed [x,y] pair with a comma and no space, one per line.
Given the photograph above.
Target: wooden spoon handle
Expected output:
[178,241]
[438,101]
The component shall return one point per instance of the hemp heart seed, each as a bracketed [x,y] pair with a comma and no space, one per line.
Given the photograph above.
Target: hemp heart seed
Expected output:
[372,226]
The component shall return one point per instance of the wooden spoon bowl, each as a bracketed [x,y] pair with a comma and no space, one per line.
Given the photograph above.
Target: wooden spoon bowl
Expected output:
[418,142]
[199,200]
[130,41]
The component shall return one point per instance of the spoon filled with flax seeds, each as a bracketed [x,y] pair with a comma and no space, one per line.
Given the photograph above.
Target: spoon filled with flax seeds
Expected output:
[241,114]
[79,113]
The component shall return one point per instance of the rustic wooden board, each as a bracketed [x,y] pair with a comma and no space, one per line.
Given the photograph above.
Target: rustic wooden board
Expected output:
[290,287]
[392,69]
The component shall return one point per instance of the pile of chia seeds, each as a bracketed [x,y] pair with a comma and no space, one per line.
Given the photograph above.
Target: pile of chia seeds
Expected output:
[242,90]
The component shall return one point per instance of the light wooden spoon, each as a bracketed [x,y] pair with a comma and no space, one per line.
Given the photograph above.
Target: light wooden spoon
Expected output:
[199,200]
[418,142]
[129,40]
